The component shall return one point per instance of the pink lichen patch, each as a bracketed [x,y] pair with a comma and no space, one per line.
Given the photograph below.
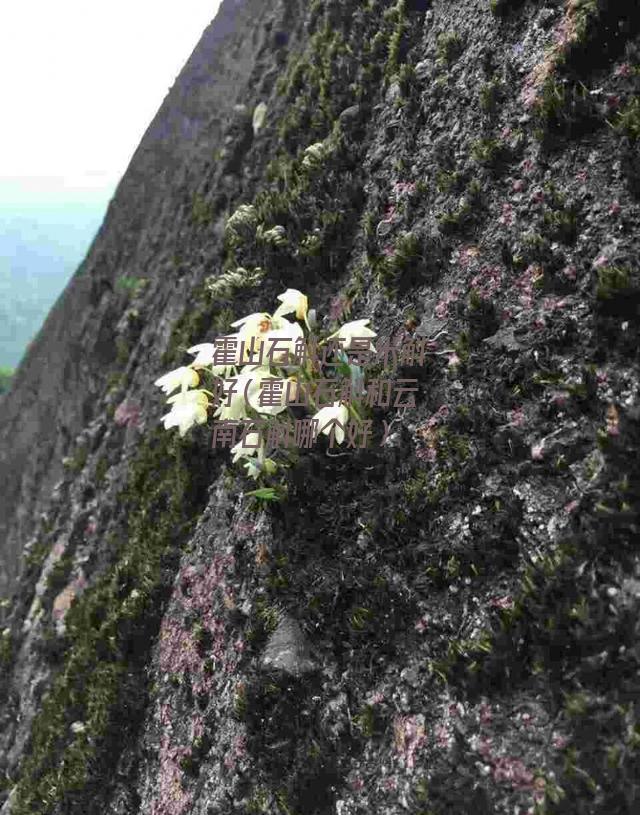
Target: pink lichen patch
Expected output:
[442,308]
[455,710]
[483,745]
[409,737]
[516,417]
[237,751]
[244,528]
[537,452]
[570,272]
[377,698]
[623,70]
[571,507]
[519,185]
[339,306]
[551,304]
[58,549]
[127,413]
[388,251]
[164,714]
[512,771]
[559,740]
[63,601]
[403,188]
[467,254]
[172,798]
[485,714]
[614,208]
[390,784]
[507,216]
[390,214]
[200,588]
[91,527]
[487,282]
[439,417]
[600,262]
[444,736]
[422,624]
[197,727]
[559,398]
[453,360]
[526,283]
[504,603]
[537,196]
[582,176]
[178,648]
[357,784]
[428,454]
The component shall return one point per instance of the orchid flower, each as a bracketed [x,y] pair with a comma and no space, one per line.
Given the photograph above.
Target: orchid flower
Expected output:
[326,417]
[187,408]
[183,378]
[356,329]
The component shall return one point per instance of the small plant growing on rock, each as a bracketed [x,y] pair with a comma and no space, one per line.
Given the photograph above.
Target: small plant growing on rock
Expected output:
[270,363]
[449,47]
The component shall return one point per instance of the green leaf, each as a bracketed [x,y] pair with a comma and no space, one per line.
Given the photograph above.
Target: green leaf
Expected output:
[265,494]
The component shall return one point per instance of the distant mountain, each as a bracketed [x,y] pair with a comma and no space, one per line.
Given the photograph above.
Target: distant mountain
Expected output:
[40,248]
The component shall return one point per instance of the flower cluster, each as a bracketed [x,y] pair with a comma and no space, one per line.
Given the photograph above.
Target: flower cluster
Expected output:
[248,390]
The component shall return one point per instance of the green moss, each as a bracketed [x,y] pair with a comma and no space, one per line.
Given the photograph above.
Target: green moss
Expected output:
[449,181]
[123,351]
[627,122]
[611,281]
[488,152]
[102,467]
[75,463]
[449,46]
[201,211]
[102,680]
[360,617]
[6,648]
[398,16]
[489,95]
[59,575]
[38,554]
[407,252]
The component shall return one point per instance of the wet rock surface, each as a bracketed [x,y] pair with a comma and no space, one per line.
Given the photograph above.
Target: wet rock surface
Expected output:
[442,622]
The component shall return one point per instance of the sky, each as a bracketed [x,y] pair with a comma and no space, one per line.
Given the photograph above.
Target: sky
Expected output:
[80,82]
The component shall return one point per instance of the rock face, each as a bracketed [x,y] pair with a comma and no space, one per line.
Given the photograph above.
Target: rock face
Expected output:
[446,620]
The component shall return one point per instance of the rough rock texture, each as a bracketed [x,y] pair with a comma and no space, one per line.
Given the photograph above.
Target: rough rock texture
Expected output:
[445,621]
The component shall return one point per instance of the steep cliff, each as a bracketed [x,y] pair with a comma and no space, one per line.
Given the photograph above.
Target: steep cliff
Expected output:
[445,620]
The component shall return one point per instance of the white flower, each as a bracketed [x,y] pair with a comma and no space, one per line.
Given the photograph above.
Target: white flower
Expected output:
[348,331]
[246,447]
[293,300]
[253,468]
[187,408]
[252,331]
[287,336]
[259,115]
[235,407]
[183,378]
[326,417]
[205,356]
[278,395]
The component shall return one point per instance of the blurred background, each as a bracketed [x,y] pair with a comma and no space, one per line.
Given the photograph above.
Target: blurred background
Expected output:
[79,85]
